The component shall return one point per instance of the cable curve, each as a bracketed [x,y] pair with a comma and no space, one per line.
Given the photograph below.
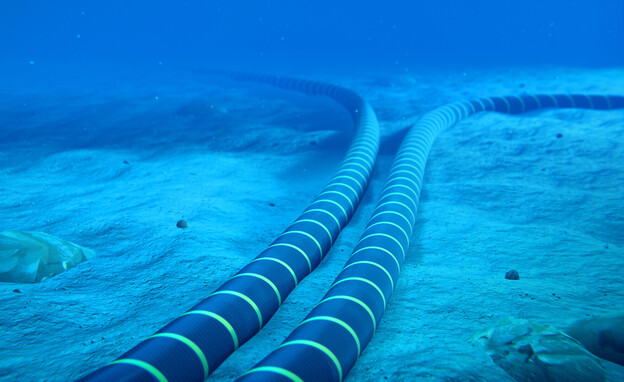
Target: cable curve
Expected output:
[193,345]
[328,342]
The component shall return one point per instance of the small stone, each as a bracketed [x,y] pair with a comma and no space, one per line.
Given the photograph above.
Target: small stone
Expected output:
[559,135]
[182,224]
[512,275]
[17,291]
[272,204]
[126,162]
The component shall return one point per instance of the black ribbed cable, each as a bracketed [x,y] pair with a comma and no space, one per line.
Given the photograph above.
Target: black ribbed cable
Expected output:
[193,345]
[326,345]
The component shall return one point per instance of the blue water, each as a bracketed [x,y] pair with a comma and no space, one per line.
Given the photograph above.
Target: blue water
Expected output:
[325,33]
[114,127]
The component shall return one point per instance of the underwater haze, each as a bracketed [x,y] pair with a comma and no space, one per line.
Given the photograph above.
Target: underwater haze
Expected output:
[312,190]
[327,33]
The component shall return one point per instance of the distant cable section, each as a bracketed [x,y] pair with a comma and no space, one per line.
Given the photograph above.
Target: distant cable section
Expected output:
[326,345]
[193,345]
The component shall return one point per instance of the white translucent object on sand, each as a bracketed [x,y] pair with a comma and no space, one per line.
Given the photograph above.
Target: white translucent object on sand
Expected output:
[532,352]
[602,335]
[29,257]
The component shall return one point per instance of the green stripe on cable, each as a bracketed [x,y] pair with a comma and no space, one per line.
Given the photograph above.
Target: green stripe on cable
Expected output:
[190,344]
[244,297]
[143,365]
[266,280]
[320,347]
[222,320]
[277,370]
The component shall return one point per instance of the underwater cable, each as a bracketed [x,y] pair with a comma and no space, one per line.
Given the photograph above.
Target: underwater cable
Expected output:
[193,345]
[328,342]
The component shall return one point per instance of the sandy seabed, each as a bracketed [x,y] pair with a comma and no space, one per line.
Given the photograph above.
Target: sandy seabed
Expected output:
[114,169]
